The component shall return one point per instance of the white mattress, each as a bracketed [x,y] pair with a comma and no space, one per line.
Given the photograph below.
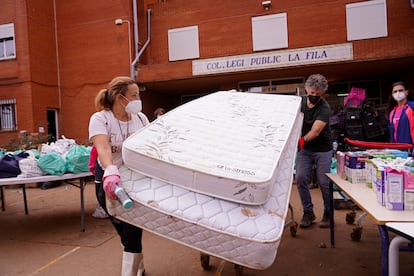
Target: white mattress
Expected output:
[226,144]
[243,234]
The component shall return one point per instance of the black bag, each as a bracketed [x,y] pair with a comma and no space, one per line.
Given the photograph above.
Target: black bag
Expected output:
[371,121]
[9,164]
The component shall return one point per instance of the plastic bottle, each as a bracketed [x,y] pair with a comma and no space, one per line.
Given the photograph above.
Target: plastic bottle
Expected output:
[123,197]
[335,145]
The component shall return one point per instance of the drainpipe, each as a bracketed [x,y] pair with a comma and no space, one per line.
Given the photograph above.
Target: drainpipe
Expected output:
[57,68]
[140,52]
[136,40]
[57,54]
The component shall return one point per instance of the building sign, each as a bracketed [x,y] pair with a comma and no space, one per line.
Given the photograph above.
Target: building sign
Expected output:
[274,59]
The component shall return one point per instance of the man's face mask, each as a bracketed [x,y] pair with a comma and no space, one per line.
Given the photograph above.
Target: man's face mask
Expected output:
[313,99]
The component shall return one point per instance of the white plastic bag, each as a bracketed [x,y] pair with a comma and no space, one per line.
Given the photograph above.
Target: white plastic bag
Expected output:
[29,168]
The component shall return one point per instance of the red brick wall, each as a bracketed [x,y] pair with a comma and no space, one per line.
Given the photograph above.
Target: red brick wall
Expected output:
[14,73]
[92,50]
[225,29]
[43,63]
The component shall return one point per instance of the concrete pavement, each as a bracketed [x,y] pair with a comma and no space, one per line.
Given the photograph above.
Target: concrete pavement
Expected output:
[48,242]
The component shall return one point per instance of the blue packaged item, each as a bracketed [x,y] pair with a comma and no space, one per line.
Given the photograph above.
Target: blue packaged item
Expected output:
[356,160]
[398,153]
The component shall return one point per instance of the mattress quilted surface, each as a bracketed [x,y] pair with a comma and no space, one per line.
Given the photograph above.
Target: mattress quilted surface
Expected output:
[262,223]
[226,144]
[245,234]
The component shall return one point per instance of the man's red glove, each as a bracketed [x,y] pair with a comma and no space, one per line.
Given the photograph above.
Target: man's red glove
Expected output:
[301,143]
[111,179]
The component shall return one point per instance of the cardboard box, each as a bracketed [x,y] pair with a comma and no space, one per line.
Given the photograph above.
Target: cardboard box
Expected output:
[356,160]
[409,190]
[340,164]
[370,171]
[409,200]
[409,179]
[356,176]
[394,190]
[379,185]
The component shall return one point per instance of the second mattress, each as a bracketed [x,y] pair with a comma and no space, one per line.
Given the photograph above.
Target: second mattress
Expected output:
[226,144]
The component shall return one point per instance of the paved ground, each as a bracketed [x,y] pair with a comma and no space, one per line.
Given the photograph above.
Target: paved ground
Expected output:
[48,242]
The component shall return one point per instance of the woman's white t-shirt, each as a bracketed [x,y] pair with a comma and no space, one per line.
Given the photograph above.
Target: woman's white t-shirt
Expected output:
[104,122]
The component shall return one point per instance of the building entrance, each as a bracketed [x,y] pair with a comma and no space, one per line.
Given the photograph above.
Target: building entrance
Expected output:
[52,125]
[291,86]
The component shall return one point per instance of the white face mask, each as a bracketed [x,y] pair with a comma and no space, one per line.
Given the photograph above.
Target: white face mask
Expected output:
[398,96]
[134,107]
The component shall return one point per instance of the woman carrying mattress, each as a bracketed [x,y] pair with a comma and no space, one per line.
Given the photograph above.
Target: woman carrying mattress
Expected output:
[118,116]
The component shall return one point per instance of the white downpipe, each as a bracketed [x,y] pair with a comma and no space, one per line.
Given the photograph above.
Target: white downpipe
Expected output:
[136,40]
[139,53]
[57,70]
[57,54]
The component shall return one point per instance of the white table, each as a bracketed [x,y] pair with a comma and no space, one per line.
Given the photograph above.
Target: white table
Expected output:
[366,199]
[66,177]
[405,232]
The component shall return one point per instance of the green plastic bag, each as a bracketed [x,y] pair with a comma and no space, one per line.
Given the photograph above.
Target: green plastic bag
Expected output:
[333,165]
[36,153]
[77,159]
[52,163]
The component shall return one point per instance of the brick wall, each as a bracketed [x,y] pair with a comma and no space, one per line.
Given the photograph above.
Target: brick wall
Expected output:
[92,49]
[225,29]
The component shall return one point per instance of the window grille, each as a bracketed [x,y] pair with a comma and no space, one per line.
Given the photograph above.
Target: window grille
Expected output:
[8,114]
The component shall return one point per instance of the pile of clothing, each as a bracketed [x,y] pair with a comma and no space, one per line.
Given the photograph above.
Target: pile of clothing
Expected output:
[58,158]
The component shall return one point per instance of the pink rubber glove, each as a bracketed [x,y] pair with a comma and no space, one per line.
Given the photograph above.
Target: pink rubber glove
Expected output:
[111,179]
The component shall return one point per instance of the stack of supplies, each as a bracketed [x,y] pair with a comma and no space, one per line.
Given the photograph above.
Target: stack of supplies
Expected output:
[389,173]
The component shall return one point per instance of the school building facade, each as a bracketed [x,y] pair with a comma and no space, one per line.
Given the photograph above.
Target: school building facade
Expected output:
[56,55]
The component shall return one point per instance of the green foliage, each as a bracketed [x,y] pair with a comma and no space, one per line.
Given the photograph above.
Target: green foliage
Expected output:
[26,142]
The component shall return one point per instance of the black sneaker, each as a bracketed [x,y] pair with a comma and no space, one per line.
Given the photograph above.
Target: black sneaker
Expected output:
[307,219]
[326,221]
[50,184]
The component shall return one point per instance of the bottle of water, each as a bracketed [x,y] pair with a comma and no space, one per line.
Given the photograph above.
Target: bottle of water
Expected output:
[123,197]
[335,145]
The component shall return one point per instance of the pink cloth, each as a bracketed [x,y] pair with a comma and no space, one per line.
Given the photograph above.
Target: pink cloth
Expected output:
[92,159]
[355,97]
[396,120]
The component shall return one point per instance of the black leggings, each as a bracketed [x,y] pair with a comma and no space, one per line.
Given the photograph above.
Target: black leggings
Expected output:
[130,235]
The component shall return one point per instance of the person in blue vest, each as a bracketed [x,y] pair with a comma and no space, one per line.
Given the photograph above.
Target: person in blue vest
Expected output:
[401,114]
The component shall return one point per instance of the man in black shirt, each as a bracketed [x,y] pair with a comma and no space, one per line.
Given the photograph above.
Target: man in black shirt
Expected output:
[315,147]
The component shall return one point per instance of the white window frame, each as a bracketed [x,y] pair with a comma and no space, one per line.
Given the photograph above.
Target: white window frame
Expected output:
[365,20]
[270,32]
[7,42]
[183,43]
[8,118]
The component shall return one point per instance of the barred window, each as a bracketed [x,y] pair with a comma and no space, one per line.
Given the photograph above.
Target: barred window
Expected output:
[8,114]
